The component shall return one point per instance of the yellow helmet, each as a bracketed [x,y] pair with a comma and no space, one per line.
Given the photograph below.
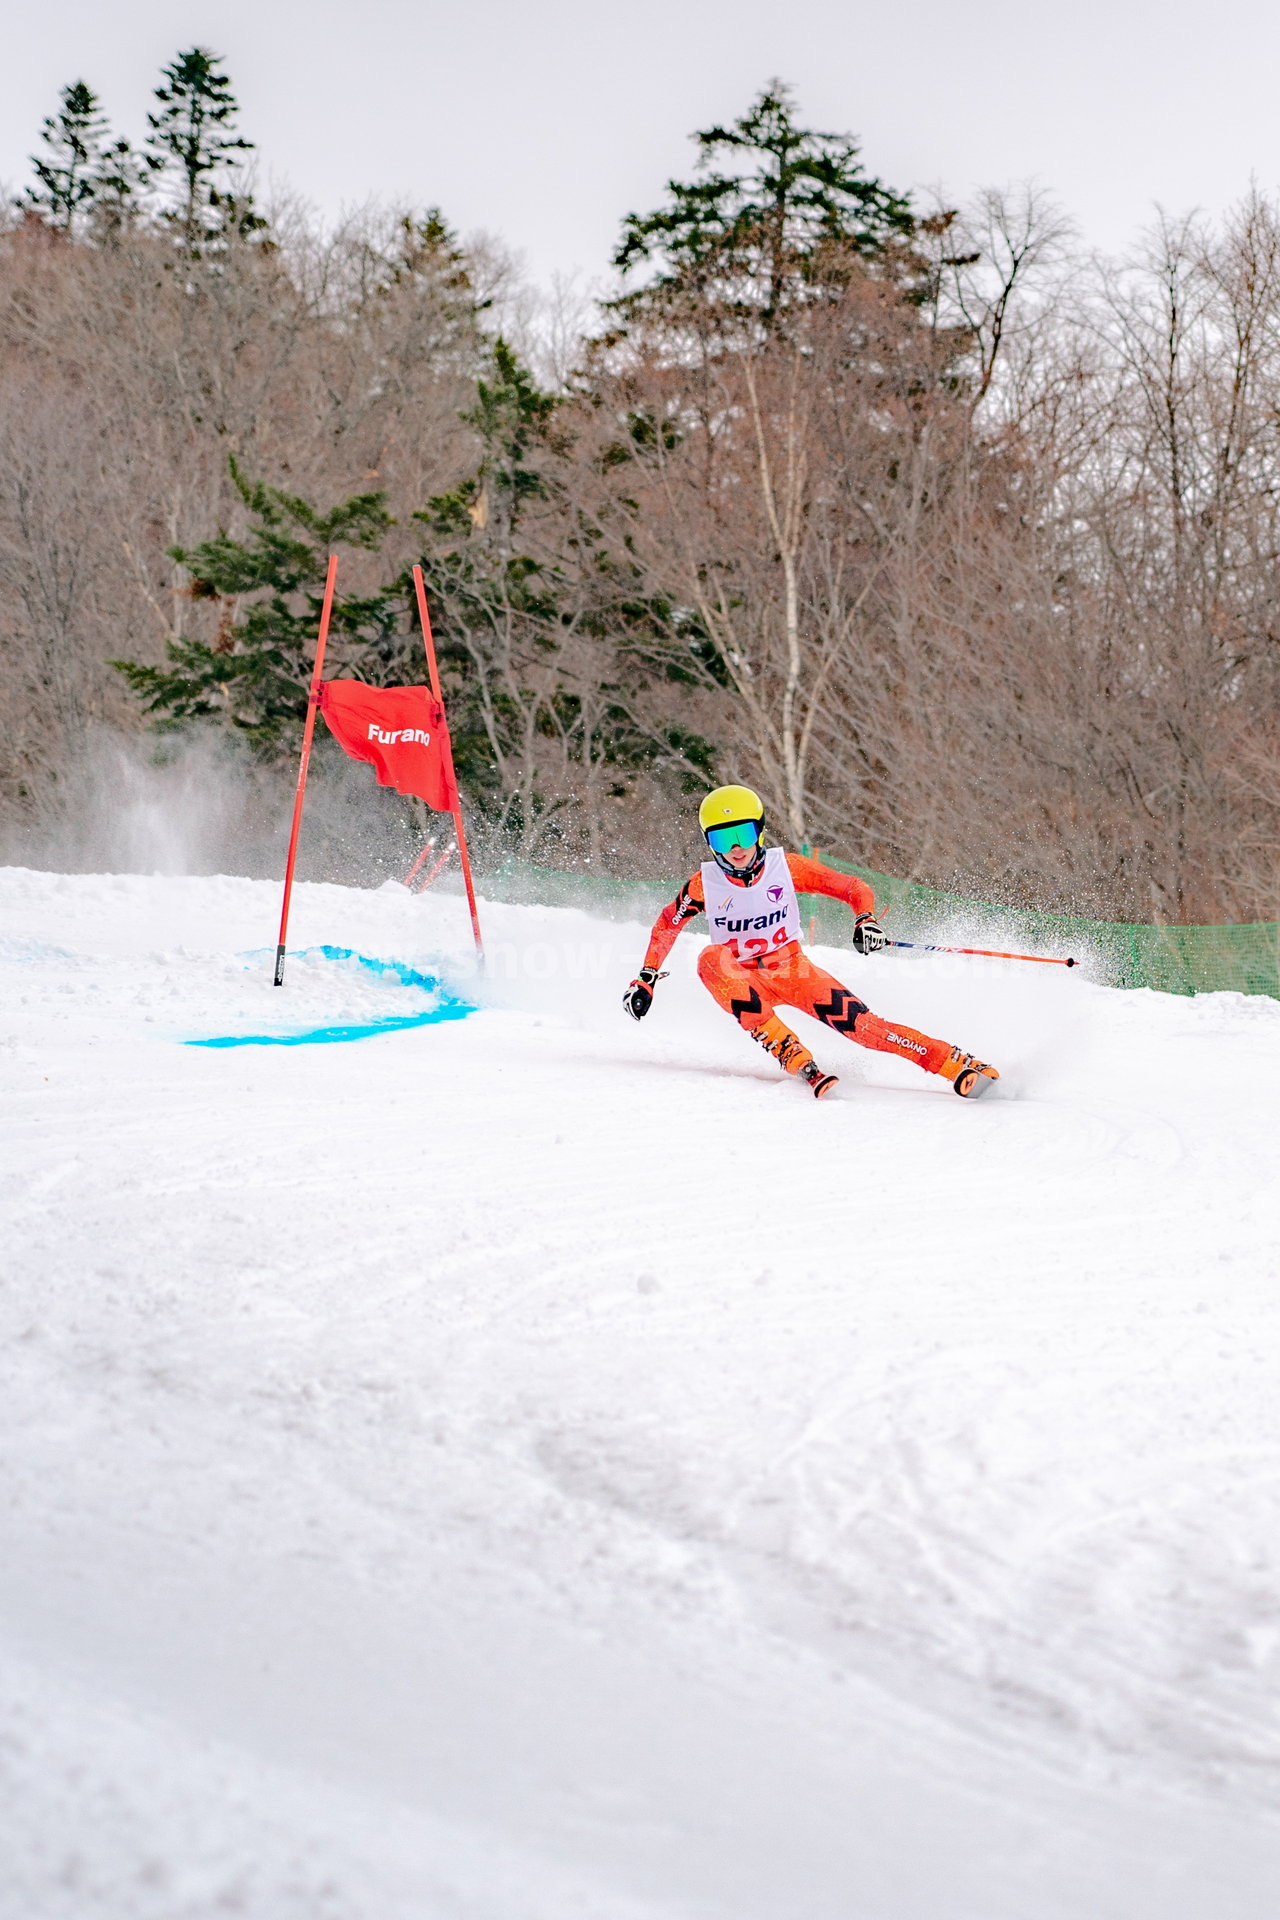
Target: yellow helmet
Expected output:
[725,806]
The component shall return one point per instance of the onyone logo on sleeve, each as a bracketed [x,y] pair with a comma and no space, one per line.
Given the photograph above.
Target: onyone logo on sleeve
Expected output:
[404,736]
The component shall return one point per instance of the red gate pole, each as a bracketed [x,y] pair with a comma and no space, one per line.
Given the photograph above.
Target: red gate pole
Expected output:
[437,696]
[435,872]
[313,702]
[419,863]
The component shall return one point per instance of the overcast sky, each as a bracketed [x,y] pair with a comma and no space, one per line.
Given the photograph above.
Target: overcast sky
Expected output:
[545,121]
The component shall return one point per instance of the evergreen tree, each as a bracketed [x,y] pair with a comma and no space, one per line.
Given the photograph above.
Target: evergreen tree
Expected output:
[118,184]
[255,675]
[67,171]
[194,144]
[492,598]
[427,249]
[542,630]
[776,208]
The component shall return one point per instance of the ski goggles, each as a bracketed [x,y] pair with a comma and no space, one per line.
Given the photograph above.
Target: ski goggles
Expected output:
[743,833]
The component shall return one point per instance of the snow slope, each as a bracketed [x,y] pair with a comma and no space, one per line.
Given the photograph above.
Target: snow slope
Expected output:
[527,1466]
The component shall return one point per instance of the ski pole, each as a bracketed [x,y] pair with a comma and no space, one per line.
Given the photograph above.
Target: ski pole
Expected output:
[985,953]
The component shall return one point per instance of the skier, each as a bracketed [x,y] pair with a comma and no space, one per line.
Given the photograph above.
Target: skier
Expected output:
[755,964]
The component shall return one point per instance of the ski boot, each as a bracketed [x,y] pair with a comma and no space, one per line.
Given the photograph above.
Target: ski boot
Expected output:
[792,1054]
[821,1082]
[969,1078]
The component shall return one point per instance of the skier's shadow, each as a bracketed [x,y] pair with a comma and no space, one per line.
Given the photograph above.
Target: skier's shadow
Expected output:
[712,1069]
[851,1075]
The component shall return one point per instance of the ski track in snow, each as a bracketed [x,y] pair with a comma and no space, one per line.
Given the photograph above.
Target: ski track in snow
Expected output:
[534,1465]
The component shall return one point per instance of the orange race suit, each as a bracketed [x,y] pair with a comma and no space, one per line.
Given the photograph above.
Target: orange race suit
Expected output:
[751,989]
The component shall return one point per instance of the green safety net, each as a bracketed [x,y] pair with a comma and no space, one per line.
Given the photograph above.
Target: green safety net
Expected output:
[1172,959]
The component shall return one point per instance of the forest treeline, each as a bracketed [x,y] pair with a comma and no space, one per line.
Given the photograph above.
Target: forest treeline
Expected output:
[960,544]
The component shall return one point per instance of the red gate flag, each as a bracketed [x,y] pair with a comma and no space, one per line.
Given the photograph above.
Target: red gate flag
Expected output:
[400,731]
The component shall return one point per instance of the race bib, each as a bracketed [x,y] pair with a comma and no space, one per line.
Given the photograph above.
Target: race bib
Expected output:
[754,920]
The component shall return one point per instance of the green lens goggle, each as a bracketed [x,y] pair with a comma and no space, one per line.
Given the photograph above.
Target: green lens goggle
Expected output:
[743,833]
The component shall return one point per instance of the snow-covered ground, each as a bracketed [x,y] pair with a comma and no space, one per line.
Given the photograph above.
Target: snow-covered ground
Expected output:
[533,1467]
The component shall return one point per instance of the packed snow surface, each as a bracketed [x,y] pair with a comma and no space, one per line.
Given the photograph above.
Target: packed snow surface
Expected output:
[514,1464]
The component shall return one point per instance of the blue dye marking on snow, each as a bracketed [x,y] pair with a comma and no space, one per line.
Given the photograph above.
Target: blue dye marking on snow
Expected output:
[30,953]
[447,1006]
[393,971]
[323,1036]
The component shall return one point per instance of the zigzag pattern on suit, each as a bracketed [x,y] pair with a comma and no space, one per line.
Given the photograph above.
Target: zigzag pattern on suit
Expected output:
[752,1004]
[841,1011]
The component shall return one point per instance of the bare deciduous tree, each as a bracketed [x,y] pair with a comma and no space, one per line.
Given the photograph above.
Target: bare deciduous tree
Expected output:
[968,558]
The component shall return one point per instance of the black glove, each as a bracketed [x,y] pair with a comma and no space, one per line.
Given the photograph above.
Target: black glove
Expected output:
[868,935]
[638,997]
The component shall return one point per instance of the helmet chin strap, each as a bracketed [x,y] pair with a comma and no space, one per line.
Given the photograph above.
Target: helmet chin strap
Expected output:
[747,873]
